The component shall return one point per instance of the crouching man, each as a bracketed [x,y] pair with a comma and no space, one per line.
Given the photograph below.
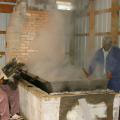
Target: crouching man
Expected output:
[9,101]
[4,106]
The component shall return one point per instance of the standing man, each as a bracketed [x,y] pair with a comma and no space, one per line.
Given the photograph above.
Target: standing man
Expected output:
[107,61]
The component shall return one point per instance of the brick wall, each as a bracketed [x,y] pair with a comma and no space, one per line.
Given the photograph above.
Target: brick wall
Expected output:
[22,31]
[33,23]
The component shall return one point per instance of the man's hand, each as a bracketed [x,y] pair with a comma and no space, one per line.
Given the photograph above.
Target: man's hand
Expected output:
[109,75]
[86,73]
[1,80]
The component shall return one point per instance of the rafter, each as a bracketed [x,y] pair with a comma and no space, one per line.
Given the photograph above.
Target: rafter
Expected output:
[2,32]
[2,53]
[8,1]
[5,8]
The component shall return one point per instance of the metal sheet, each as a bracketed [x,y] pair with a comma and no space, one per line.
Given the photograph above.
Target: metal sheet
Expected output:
[103,4]
[2,42]
[80,50]
[81,26]
[98,42]
[4,21]
[2,60]
[2,49]
[103,22]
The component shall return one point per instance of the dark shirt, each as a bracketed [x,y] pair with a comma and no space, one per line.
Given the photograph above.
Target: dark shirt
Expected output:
[112,65]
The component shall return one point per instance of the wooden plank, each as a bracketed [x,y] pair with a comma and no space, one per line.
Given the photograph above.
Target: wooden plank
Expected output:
[8,1]
[92,21]
[2,32]
[82,34]
[103,33]
[2,53]
[115,21]
[5,8]
[107,10]
[90,40]
[103,11]
[96,34]
[106,33]
[87,14]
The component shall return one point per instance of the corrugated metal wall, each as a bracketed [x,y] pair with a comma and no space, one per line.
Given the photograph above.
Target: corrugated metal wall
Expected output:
[103,4]
[4,18]
[102,24]
[80,50]
[102,21]
[81,26]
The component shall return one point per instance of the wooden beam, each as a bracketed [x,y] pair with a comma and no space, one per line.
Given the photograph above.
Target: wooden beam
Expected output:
[14,1]
[107,10]
[2,32]
[97,34]
[92,23]
[90,39]
[5,8]
[92,19]
[102,33]
[103,11]
[2,53]
[82,34]
[115,21]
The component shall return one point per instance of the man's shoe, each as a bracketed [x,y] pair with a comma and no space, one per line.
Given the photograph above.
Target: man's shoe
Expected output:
[16,117]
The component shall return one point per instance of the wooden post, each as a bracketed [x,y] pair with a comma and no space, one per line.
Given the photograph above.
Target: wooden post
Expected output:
[90,43]
[115,21]
[92,20]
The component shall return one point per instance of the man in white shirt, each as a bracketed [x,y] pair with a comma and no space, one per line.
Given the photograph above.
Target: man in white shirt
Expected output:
[108,60]
[105,53]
